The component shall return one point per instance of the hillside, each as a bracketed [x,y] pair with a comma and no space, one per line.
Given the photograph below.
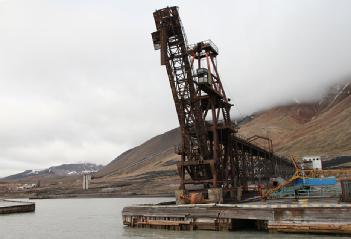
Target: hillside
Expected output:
[318,128]
[321,128]
[155,154]
[61,170]
[147,169]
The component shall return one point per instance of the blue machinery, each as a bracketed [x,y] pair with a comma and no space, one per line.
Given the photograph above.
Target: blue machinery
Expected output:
[308,187]
[307,183]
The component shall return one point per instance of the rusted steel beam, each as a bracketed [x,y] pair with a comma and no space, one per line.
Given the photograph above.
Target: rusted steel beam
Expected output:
[212,153]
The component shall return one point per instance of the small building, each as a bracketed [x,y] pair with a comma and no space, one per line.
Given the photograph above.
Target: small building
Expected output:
[312,162]
[26,186]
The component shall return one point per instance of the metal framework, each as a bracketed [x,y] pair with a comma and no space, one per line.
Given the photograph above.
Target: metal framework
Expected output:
[212,153]
[301,173]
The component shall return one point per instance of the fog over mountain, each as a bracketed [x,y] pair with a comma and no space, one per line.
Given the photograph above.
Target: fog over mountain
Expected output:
[80,81]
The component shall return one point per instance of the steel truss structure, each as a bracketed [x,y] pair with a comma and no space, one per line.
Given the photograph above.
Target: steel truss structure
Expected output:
[212,153]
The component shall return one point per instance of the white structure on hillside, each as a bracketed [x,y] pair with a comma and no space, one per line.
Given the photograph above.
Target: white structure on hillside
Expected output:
[312,162]
[86,180]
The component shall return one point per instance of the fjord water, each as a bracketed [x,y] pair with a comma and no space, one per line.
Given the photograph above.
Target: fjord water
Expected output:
[100,218]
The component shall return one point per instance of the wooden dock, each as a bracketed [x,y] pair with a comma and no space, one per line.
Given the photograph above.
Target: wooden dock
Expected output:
[8,206]
[273,217]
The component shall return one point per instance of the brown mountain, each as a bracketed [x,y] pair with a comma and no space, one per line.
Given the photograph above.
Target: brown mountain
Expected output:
[318,128]
[60,171]
[146,169]
[156,154]
[321,128]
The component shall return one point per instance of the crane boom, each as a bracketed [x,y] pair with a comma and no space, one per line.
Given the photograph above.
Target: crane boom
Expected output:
[171,40]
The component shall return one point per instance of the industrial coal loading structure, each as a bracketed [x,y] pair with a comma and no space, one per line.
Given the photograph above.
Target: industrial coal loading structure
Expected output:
[219,170]
[215,161]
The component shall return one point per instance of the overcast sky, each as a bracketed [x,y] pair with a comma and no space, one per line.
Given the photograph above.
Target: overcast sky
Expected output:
[80,81]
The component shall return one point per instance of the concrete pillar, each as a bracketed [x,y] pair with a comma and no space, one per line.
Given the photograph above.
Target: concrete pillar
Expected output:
[180,194]
[86,179]
[215,195]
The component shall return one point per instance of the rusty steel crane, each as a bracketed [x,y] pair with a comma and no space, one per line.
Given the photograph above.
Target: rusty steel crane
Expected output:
[212,153]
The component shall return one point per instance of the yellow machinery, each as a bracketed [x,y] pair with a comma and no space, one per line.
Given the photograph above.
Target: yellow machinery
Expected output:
[307,173]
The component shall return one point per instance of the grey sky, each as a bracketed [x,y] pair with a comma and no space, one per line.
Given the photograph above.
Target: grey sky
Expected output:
[80,81]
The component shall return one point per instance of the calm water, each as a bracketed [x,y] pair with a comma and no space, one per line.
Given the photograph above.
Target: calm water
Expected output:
[101,218]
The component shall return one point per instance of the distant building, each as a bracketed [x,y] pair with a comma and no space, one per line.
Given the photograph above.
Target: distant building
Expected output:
[26,186]
[312,162]
[86,180]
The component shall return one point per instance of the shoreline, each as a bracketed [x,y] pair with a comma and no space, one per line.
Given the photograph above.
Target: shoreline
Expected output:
[81,196]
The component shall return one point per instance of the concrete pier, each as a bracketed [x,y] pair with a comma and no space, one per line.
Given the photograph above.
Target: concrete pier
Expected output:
[8,206]
[313,217]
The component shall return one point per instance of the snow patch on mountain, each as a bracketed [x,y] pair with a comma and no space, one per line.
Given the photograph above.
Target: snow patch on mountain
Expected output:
[61,170]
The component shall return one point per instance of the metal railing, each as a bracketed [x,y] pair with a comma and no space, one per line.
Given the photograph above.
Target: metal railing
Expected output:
[205,43]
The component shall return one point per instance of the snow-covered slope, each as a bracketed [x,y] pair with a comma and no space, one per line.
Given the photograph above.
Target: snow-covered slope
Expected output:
[61,170]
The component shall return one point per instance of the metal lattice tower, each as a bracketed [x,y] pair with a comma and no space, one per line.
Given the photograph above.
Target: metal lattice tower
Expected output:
[212,154]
